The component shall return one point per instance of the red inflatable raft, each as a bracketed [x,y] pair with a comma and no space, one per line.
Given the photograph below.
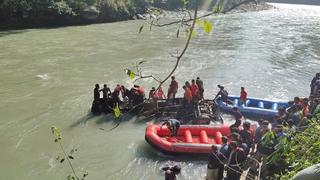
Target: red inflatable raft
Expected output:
[191,139]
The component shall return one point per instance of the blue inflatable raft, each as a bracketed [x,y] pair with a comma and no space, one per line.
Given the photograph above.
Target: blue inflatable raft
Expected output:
[253,108]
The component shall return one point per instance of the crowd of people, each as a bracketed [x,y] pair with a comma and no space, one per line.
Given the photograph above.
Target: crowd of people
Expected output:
[110,100]
[246,147]
[237,150]
[301,110]
[192,92]
[245,144]
[105,99]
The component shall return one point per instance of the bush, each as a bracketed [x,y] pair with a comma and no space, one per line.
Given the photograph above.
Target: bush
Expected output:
[301,152]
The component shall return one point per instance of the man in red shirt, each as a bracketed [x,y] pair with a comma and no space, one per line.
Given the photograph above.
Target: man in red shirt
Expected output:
[173,88]
[160,94]
[187,95]
[243,96]
[194,88]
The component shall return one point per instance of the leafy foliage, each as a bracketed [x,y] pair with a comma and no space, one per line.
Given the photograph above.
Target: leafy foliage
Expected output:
[56,132]
[117,111]
[301,151]
[55,9]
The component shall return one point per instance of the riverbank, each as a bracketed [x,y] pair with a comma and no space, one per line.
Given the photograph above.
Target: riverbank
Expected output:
[251,7]
[64,14]
[34,14]
[47,75]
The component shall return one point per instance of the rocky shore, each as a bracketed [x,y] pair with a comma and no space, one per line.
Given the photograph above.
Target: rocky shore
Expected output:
[92,15]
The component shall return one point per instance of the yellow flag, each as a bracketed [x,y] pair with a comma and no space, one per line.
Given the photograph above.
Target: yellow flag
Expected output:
[117,111]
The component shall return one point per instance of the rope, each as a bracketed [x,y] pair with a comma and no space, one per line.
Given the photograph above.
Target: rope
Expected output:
[250,177]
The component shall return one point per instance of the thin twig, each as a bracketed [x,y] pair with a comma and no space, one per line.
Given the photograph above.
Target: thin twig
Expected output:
[67,157]
[185,47]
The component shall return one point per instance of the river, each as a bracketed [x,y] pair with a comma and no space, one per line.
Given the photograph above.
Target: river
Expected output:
[47,77]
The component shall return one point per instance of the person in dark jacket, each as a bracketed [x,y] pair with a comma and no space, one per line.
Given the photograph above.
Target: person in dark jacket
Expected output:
[96,105]
[237,116]
[173,125]
[246,136]
[215,164]
[235,161]
[96,93]
[223,94]
[199,82]
[105,92]
[171,172]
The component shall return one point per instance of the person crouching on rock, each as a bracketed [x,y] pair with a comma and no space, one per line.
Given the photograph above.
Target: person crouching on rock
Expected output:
[173,125]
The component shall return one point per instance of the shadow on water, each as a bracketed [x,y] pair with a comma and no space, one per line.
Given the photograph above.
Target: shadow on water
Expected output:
[144,150]
[83,120]
[104,118]
[11,32]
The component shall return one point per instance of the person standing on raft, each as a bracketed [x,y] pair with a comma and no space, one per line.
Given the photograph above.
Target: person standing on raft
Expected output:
[223,94]
[173,89]
[199,82]
[96,93]
[243,96]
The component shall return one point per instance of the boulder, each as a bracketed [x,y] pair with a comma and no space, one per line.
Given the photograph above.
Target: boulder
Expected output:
[310,173]
[90,13]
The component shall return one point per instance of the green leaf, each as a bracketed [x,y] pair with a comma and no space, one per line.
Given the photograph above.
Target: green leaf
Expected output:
[56,133]
[132,75]
[194,33]
[85,174]
[184,2]
[141,28]
[73,150]
[117,111]
[198,22]
[70,157]
[207,26]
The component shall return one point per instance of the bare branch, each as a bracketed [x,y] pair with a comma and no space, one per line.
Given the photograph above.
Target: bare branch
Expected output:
[146,77]
[182,22]
[185,47]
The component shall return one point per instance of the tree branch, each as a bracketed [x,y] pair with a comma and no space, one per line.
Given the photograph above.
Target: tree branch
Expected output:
[185,47]
[145,77]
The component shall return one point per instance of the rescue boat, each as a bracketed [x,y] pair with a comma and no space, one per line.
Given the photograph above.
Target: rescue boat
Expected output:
[191,139]
[253,108]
